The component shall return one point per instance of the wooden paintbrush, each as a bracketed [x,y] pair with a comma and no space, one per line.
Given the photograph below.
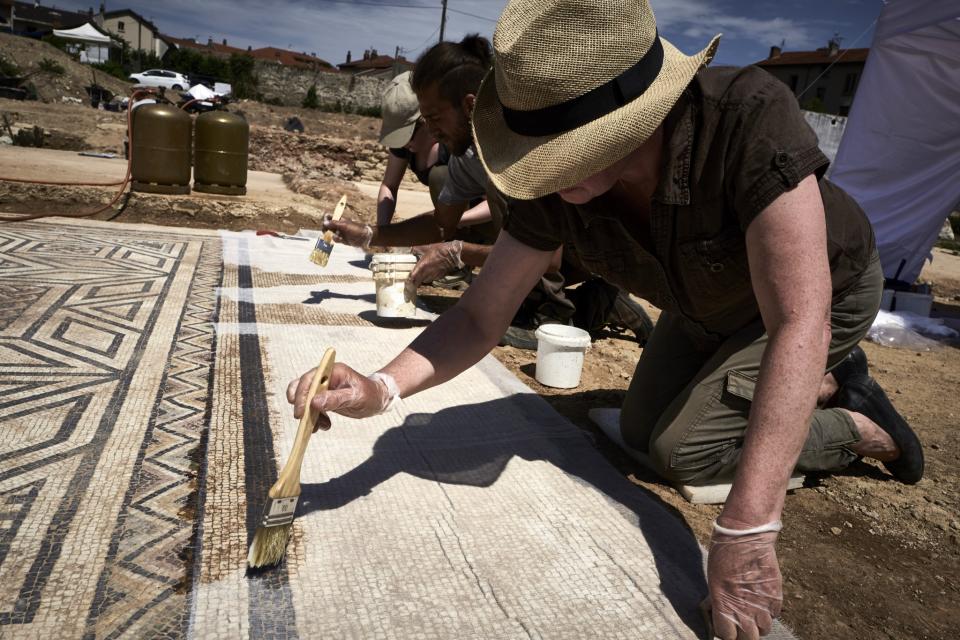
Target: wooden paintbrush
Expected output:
[270,540]
[321,252]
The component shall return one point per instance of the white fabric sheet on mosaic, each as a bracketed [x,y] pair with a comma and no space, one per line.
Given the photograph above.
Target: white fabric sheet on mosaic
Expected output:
[474,510]
[282,255]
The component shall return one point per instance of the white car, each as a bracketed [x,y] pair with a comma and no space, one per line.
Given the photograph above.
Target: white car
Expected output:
[161,78]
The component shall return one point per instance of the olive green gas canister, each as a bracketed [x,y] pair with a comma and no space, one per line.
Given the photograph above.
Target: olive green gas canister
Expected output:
[160,149]
[221,142]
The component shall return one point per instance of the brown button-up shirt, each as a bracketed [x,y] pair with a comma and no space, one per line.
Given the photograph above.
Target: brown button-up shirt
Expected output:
[733,143]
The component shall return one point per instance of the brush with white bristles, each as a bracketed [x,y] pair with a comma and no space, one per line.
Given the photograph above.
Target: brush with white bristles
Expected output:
[270,540]
[324,247]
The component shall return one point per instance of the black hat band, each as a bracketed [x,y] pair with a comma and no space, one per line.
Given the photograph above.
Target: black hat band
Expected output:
[594,104]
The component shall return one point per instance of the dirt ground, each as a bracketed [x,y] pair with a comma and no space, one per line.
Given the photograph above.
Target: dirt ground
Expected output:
[862,555]
[71,83]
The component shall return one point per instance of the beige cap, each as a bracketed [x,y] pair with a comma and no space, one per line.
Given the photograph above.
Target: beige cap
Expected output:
[400,112]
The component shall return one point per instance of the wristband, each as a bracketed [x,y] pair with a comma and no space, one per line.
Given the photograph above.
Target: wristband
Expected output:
[770,527]
[393,391]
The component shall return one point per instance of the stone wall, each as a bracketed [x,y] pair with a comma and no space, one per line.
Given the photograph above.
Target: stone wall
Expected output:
[289,86]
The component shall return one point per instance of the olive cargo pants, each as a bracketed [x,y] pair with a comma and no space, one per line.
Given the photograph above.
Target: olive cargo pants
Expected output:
[688,408]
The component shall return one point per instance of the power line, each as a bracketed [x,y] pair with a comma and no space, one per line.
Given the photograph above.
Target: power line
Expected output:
[422,44]
[472,15]
[824,72]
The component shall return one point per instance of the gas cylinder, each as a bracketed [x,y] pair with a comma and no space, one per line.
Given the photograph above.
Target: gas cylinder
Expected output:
[161,149]
[221,142]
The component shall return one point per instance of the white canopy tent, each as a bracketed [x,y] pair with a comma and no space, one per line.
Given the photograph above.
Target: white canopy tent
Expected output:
[900,153]
[92,44]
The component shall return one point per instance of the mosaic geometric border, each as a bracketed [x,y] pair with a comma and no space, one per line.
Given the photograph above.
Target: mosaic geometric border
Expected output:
[80,306]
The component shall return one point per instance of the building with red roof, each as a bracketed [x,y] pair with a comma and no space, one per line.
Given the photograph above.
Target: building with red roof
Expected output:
[292,58]
[824,79]
[374,64]
[211,48]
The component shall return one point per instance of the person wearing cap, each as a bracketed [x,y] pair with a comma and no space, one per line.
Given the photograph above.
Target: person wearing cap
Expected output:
[461,229]
[702,191]
[409,143]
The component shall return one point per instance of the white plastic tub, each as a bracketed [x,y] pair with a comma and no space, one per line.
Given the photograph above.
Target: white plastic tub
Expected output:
[560,350]
[396,296]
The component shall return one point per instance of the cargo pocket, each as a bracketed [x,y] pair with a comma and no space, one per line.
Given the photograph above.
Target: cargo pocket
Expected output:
[718,426]
[738,389]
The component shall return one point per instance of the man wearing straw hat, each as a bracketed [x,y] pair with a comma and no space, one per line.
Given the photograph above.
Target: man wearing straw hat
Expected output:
[700,190]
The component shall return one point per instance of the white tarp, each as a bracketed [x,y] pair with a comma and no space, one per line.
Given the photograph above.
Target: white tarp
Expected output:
[88,42]
[83,33]
[900,154]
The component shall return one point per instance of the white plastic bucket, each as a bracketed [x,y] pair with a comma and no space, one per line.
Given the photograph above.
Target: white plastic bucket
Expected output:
[560,351]
[396,297]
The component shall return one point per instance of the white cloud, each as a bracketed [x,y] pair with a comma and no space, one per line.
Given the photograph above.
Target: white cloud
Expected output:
[702,19]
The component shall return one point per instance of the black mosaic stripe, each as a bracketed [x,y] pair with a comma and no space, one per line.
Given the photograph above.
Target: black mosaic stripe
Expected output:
[270,601]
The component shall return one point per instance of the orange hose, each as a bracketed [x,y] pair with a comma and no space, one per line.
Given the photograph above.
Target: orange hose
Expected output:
[6,217]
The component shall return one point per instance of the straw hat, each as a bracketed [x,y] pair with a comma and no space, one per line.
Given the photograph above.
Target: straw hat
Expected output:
[576,86]
[400,111]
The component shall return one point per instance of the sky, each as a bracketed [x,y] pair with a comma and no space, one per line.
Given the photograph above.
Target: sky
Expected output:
[328,28]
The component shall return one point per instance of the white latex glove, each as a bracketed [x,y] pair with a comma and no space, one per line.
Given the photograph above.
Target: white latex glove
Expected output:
[436,260]
[746,589]
[349,394]
[349,233]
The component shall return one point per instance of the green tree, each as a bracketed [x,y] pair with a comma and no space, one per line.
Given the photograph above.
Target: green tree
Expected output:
[242,78]
[310,101]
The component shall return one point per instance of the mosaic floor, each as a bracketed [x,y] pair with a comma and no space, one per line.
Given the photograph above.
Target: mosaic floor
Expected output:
[142,420]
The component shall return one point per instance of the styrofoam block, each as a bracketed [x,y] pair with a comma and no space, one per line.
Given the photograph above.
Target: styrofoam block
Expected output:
[717,493]
[608,420]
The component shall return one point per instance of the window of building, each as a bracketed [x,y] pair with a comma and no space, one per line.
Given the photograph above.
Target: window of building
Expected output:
[850,84]
[821,93]
[120,26]
[794,80]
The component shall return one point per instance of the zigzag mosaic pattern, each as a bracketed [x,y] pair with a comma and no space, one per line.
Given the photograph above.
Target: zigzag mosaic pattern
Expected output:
[106,345]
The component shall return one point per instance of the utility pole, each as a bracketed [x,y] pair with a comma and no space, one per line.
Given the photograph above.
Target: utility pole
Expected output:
[443,19]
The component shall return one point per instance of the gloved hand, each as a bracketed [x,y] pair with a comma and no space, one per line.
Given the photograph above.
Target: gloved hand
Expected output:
[436,261]
[349,394]
[347,232]
[746,589]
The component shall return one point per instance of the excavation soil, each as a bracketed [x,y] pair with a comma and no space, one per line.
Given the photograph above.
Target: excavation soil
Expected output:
[862,555]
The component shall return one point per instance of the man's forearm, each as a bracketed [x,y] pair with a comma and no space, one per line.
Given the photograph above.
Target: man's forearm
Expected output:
[475,255]
[784,399]
[422,229]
